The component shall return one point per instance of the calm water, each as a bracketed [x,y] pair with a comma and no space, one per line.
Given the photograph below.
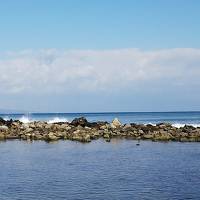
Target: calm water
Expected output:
[99,170]
[177,118]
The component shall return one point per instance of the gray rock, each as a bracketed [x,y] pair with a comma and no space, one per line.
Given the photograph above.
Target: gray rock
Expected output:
[116,123]
[127,126]
[148,136]
[86,138]
[51,136]
[28,130]
[3,128]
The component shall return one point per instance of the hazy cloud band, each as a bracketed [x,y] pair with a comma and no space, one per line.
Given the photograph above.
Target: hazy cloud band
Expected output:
[52,70]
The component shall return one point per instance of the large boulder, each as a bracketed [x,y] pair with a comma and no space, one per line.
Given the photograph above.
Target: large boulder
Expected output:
[28,130]
[3,128]
[148,136]
[5,122]
[82,121]
[51,137]
[163,136]
[86,138]
[116,123]
[164,125]
[65,127]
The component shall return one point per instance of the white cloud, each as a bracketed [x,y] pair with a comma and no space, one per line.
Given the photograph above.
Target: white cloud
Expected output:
[51,70]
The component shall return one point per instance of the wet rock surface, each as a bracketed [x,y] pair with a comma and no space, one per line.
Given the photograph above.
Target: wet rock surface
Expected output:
[84,131]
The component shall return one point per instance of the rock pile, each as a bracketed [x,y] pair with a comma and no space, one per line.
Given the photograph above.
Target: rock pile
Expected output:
[82,130]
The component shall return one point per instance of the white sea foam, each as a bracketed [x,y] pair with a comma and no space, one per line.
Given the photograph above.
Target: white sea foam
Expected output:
[6,118]
[24,119]
[27,119]
[57,119]
[179,125]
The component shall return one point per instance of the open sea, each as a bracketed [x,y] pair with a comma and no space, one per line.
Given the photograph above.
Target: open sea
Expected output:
[118,170]
[176,118]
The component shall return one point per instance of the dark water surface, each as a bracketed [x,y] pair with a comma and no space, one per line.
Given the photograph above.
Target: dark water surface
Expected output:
[99,170]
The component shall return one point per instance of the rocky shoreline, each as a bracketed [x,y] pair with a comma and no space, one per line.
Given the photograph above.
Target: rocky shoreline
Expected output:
[83,131]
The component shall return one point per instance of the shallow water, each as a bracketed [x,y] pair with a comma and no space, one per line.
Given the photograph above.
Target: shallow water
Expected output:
[99,170]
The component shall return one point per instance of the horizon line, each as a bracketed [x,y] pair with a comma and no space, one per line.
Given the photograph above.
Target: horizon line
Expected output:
[106,112]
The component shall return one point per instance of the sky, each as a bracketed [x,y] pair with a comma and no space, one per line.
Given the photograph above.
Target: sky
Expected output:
[100,55]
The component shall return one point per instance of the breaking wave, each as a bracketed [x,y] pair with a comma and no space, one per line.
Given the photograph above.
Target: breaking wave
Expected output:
[24,119]
[179,125]
[57,119]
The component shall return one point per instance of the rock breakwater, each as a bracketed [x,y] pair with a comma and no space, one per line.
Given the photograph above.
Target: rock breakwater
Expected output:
[83,131]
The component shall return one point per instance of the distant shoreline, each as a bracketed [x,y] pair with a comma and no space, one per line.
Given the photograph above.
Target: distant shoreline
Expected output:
[83,131]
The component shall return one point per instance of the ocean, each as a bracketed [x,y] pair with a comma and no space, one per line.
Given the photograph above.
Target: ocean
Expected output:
[176,118]
[119,170]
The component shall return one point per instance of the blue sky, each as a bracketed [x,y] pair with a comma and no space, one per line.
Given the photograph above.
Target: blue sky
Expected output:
[99,24]
[100,55]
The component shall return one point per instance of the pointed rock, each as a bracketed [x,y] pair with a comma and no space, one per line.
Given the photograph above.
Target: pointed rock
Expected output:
[116,123]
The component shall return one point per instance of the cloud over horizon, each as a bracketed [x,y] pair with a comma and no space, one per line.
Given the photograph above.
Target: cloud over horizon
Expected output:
[60,71]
